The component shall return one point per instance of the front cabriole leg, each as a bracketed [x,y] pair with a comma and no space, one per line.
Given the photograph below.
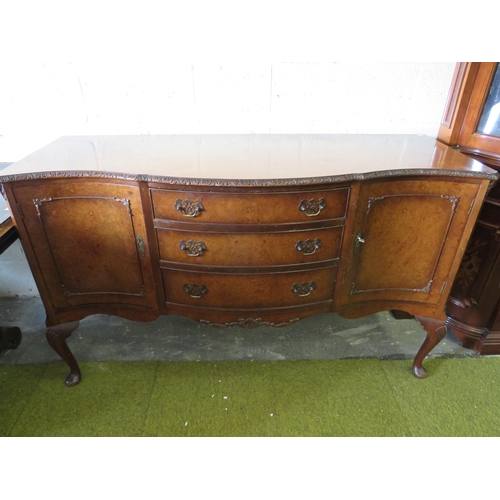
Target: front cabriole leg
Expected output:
[56,337]
[436,330]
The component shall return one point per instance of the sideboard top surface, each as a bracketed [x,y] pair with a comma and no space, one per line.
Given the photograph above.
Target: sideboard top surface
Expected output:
[244,159]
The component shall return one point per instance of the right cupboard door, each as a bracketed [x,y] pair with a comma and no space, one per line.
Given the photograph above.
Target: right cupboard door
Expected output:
[406,238]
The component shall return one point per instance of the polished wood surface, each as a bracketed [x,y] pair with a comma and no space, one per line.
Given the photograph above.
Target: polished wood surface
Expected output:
[473,308]
[467,97]
[255,208]
[459,96]
[244,230]
[411,231]
[234,159]
[254,249]
[243,290]
[81,260]
[469,135]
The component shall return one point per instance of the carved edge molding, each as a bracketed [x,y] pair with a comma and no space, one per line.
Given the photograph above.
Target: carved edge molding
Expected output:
[248,323]
[426,289]
[124,201]
[68,293]
[452,199]
[246,182]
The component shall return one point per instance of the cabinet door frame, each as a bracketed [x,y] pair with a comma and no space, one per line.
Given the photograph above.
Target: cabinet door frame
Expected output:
[61,305]
[466,99]
[431,299]
[372,203]
[123,205]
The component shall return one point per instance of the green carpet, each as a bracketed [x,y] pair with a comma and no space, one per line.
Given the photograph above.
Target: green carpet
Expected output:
[358,397]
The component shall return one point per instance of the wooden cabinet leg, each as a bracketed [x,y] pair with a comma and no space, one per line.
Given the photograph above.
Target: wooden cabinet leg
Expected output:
[56,337]
[436,330]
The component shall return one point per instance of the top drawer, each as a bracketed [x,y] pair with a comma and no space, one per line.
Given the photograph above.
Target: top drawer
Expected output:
[250,208]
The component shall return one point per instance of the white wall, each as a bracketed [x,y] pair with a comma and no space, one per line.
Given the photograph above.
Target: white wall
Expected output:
[39,102]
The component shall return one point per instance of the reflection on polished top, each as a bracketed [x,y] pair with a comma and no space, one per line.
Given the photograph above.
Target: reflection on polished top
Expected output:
[252,157]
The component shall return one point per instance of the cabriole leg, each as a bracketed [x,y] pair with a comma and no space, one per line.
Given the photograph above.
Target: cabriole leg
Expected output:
[436,330]
[56,337]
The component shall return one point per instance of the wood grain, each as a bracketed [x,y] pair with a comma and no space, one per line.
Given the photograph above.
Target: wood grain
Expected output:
[244,230]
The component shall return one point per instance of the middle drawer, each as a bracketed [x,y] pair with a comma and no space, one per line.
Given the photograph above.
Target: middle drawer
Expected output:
[250,249]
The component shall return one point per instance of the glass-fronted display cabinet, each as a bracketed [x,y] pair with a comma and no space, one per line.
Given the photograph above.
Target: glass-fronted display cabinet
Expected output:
[471,123]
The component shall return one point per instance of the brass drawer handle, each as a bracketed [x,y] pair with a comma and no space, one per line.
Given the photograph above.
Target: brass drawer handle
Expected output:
[189,208]
[308,247]
[193,248]
[312,207]
[304,289]
[195,291]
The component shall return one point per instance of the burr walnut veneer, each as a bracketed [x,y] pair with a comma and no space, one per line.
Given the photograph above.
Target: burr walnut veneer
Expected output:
[244,230]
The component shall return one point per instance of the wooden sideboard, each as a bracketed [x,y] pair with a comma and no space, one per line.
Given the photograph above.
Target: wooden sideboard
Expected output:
[244,230]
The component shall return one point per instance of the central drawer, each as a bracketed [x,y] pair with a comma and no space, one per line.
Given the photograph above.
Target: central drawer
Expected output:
[240,290]
[243,249]
[250,208]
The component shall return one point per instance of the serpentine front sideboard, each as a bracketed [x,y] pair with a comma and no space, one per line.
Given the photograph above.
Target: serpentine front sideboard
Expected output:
[244,230]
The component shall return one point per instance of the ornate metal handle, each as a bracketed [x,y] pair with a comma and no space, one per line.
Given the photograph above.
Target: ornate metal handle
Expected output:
[189,208]
[193,248]
[195,291]
[304,289]
[141,246]
[357,243]
[312,207]
[309,246]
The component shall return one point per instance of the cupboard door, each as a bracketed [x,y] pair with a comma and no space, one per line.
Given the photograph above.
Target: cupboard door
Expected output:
[405,241]
[89,241]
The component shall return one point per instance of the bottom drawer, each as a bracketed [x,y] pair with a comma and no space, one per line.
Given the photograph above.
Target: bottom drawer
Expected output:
[243,291]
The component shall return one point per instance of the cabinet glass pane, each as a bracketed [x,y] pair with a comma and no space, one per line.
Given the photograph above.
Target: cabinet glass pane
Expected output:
[489,122]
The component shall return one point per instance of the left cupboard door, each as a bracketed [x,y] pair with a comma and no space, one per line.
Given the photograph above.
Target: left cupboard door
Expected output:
[88,243]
